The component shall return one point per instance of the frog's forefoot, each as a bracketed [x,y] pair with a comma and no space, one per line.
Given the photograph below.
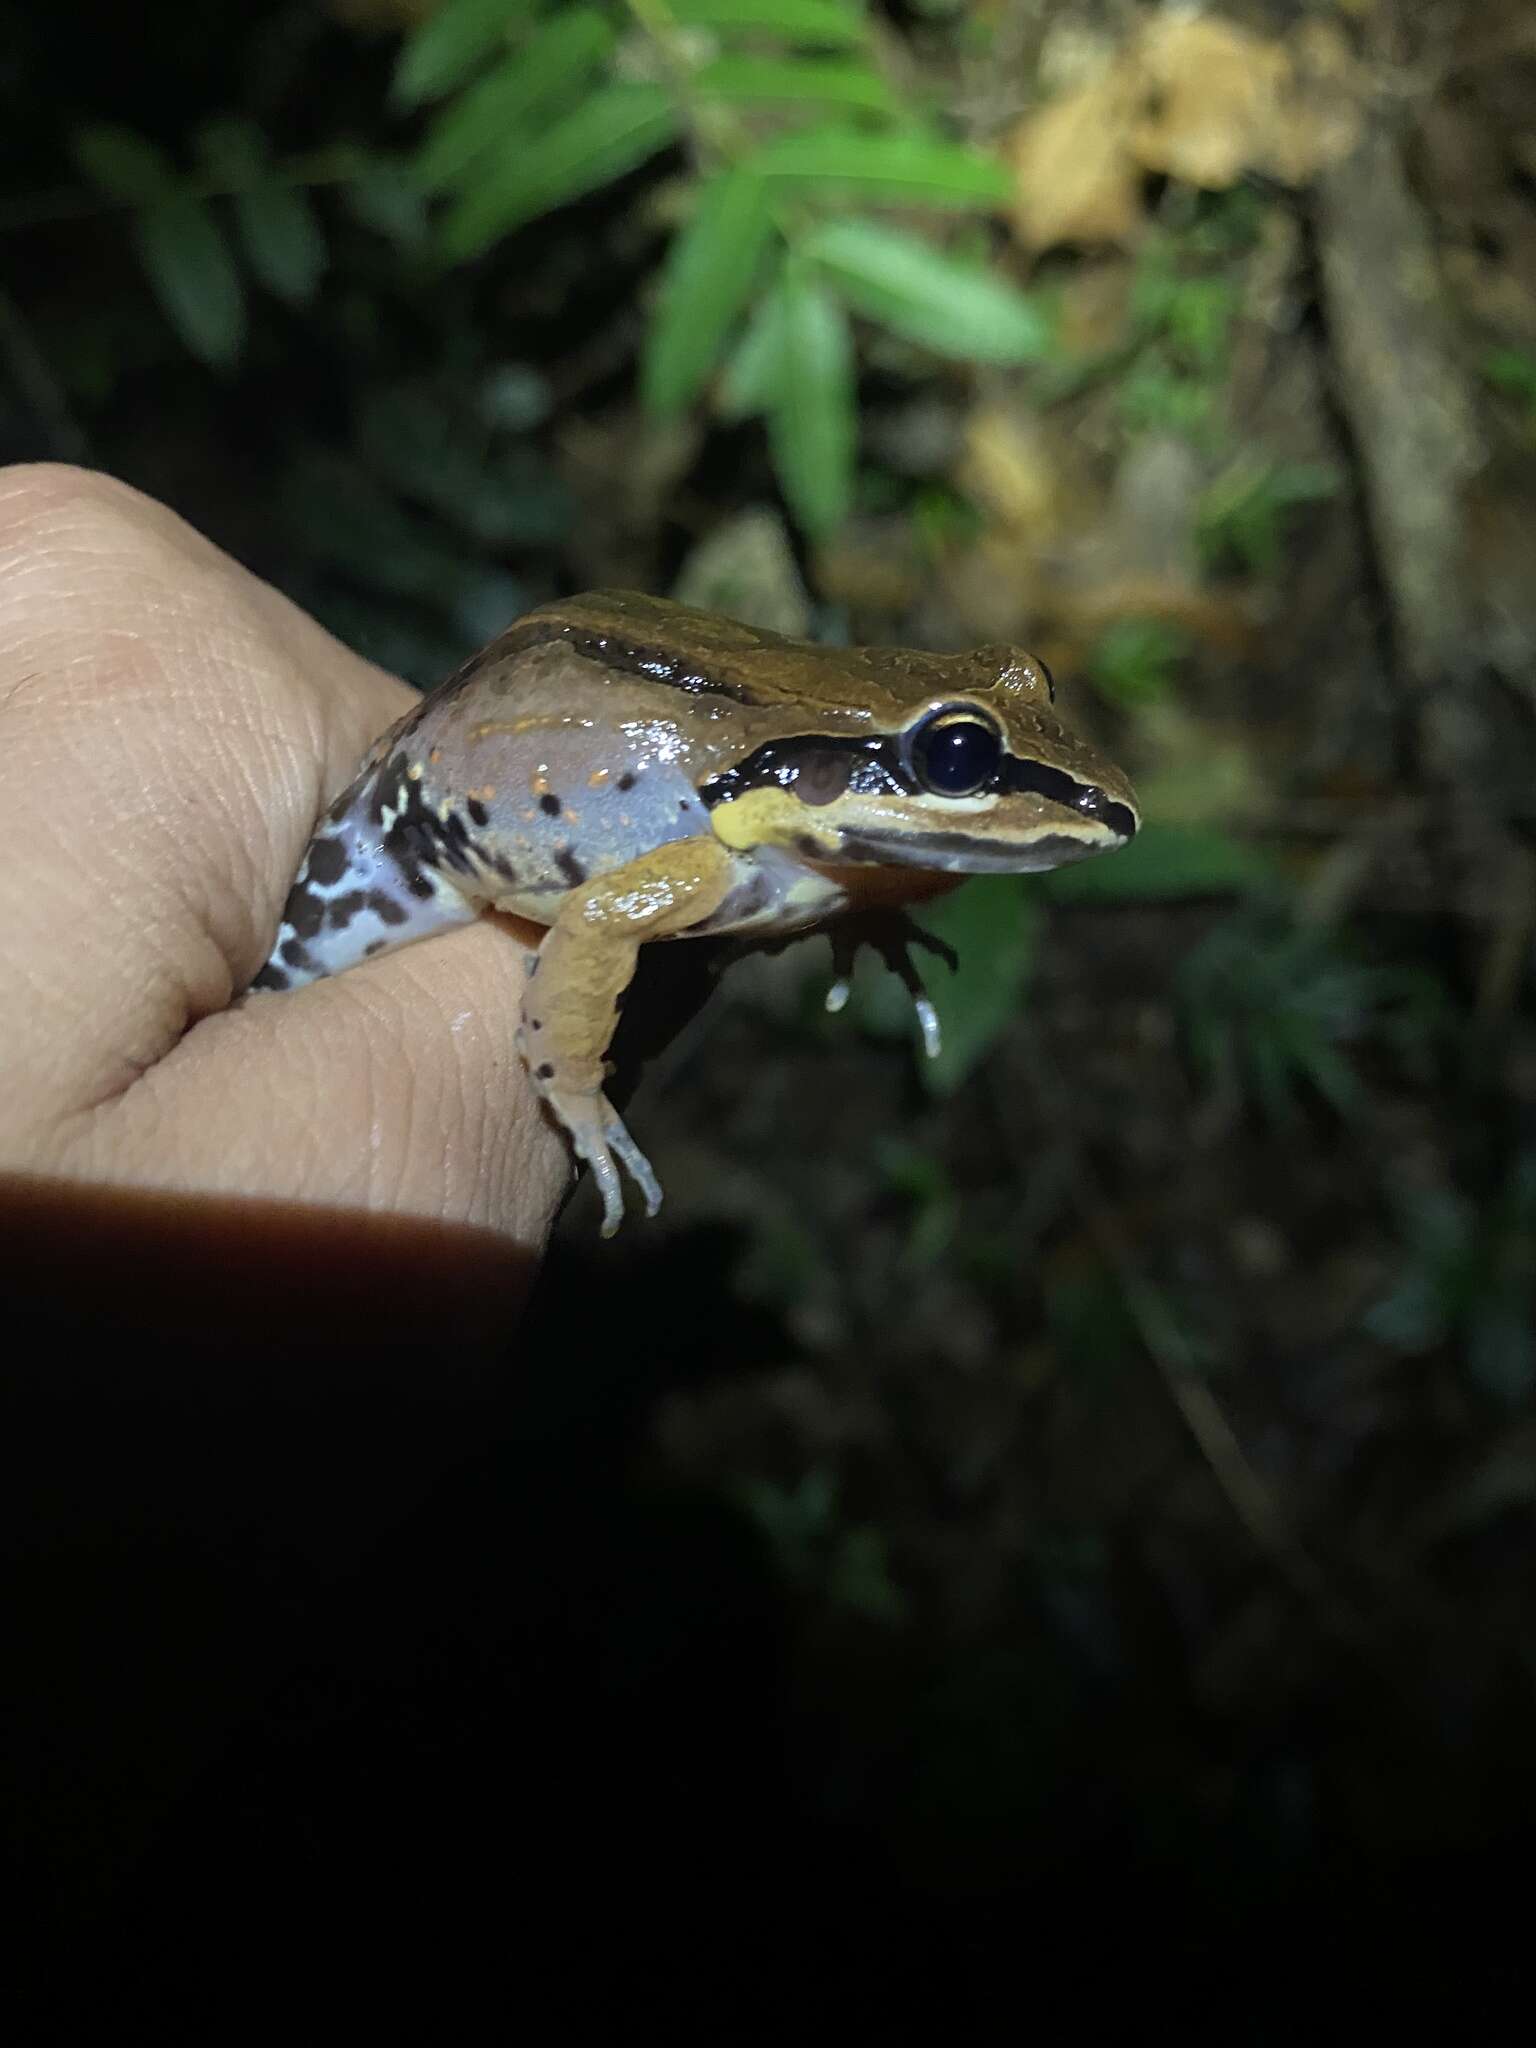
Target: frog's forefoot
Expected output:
[893,935]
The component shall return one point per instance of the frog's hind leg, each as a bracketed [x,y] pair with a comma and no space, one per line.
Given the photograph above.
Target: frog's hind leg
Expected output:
[362,889]
[577,982]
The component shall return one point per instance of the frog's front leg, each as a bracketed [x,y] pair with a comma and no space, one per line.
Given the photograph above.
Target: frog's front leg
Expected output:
[577,981]
[895,937]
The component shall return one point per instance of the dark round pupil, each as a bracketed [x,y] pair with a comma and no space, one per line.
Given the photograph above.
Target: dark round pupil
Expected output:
[957,757]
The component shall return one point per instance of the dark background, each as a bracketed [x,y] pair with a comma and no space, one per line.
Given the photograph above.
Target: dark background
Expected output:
[1060,1536]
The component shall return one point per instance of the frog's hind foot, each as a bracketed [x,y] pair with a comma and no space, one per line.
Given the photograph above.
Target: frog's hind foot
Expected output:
[895,937]
[598,1135]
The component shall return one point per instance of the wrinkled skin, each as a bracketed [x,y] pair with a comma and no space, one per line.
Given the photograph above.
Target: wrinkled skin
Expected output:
[169,730]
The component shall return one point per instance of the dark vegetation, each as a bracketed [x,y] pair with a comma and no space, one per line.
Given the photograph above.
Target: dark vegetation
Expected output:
[1059,1520]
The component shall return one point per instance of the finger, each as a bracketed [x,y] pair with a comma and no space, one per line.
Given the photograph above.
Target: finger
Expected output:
[167,727]
[169,730]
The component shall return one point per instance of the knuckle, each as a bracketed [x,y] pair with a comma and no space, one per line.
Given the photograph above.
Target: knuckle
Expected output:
[42,503]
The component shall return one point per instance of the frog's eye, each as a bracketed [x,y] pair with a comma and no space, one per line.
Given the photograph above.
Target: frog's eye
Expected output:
[955,753]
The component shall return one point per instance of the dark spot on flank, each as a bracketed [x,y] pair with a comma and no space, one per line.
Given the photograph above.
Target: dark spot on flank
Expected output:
[340,808]
[811,848]
[683,804]
[271,976]
[374,946]
[569,866]
[344,909]
[550,806]
[545,1071]
[625,781]
[295,953]
[385,908]
[478,814]
[389,789]
[420,884]
[304,911]
[502,866]
[327,861]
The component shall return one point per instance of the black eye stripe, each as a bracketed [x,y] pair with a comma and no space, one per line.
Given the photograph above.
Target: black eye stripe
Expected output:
[816,770]
[877,767]
[1035,778]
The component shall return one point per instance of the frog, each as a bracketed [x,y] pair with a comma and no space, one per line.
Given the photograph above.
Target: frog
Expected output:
[616,769]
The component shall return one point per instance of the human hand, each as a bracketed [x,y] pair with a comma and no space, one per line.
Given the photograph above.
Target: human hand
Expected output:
[170,728]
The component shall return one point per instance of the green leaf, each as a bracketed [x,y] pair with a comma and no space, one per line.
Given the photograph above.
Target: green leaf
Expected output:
[122,164]
[750,379]
[904,170]
[806,24]
[1166,863]
[1512,370]
[909,287]
[618,127]
[710,270]
[450,43]
[994,926]
[1136,660]
[813,420]
[283,242]
[793,81]
[387,198]
[193,275]
[550,66]
[277,222]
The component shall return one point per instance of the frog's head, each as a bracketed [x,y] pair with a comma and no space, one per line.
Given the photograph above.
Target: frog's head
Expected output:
[955,763]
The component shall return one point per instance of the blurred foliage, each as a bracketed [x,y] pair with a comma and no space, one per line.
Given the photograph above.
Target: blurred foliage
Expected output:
[787,116]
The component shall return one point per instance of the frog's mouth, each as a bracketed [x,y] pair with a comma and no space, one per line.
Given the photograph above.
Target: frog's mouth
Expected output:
[963,853]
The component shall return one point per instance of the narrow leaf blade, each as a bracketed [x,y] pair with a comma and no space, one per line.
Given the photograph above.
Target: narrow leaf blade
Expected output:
[549,68]
[193,275]
[279,229]
[915,290]
[450,43]
[611,132]
[812,424]
[793,81]
[710,270]
[806,24]
[283,241]
[121,163]
[750,381]
[907,170]
[387,197]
